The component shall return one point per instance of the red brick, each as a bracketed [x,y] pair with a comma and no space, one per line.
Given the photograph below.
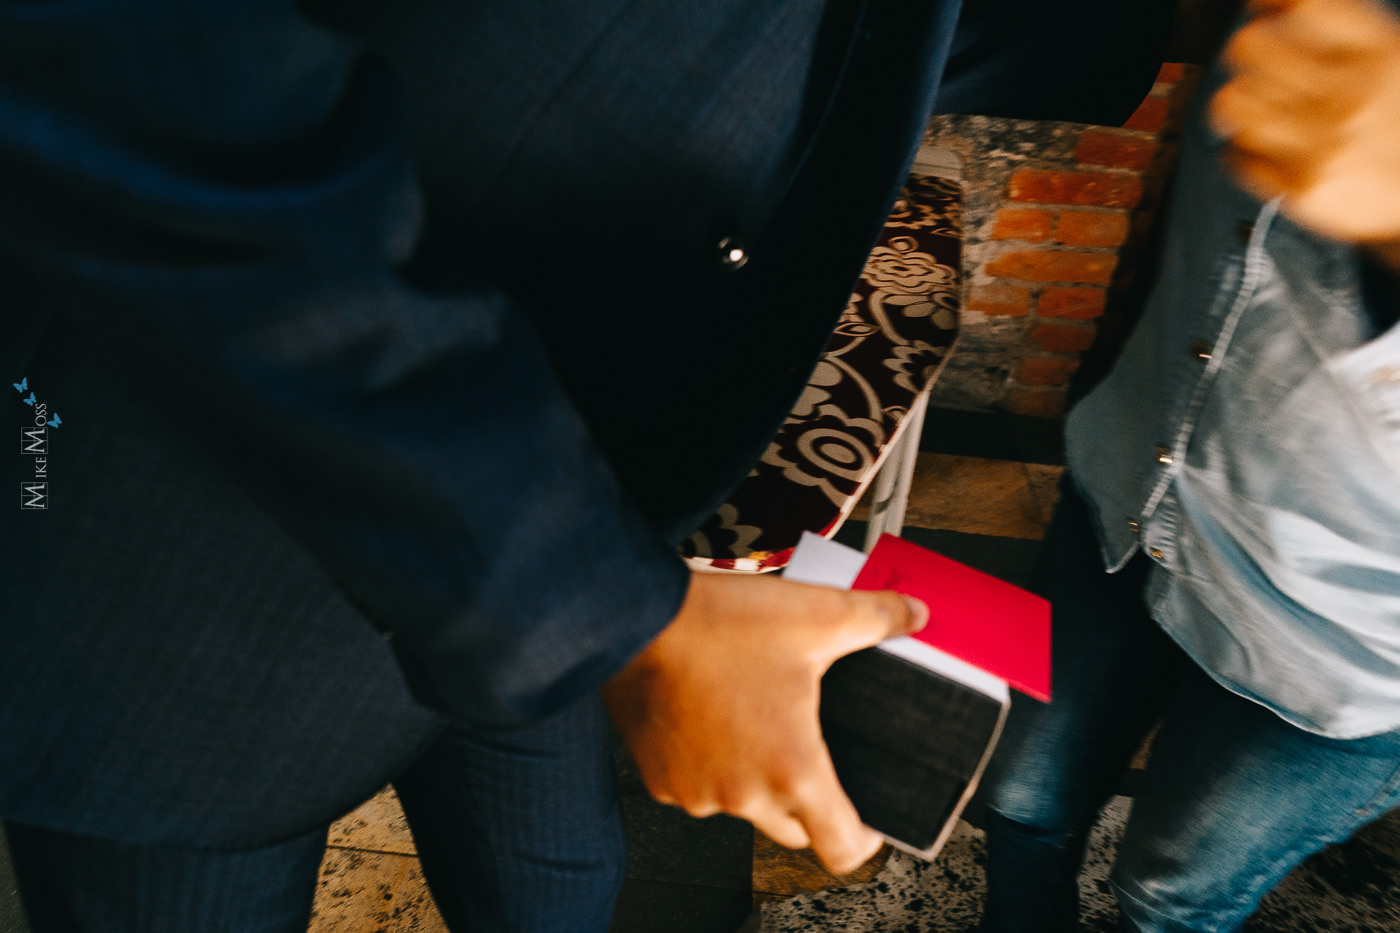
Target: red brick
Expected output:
[1091,228]
[1046,370]
[1100,189]
[1054,266]
[1022,224]
[1171,72]
[1078,303]
[1040,403]
[1151,115]
[1064,338]
[1103,147]
[1009,300]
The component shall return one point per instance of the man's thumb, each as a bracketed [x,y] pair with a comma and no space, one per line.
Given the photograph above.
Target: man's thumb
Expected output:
[891,614]
[916,618]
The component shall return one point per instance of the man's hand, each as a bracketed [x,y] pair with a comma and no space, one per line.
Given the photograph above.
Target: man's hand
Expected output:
[1312,114]
[720,711]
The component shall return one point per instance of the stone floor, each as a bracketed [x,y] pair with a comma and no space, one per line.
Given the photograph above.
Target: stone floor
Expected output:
[984,490]
[1346,889]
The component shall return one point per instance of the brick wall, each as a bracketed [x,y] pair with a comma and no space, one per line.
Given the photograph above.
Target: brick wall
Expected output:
[1055,218]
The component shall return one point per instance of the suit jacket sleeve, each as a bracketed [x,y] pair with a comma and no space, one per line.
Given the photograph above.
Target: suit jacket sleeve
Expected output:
[224,192]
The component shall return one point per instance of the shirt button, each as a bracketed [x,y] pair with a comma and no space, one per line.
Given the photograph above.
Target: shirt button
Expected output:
[1201,350]
[1164,455]
[1133,525]
[1243,231]
[733,253]
[1156,553]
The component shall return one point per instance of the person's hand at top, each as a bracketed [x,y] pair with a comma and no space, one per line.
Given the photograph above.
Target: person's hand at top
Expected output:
[721,710]
[1312,115]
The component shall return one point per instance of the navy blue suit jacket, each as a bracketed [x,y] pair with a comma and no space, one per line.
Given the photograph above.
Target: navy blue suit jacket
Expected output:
[395,348]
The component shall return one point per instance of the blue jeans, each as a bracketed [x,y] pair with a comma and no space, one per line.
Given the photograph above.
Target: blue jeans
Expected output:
[1233,797]
[518,832]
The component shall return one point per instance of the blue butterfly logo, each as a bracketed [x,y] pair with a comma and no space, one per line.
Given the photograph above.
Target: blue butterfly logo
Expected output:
[30,400]
[22,385]
[56,420]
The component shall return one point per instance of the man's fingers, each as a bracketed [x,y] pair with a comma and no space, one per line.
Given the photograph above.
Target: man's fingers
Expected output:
[1309,114]
[1265,7]
[801,803]
[721,709]
[835,833]
[1253,50]
[1325,28]
[838,836]
[1253,96]
[1261,177]
[884,614]
[917,616]
[870,617]
[783,828]
[1269,153]
[845,856]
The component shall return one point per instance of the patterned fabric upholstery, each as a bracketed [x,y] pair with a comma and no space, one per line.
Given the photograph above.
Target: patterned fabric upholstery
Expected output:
[891,343]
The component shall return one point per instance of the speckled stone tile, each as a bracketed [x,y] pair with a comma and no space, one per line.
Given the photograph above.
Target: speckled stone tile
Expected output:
[377,825]
[373,892]
[1350,888]
[943,896]
[908,896]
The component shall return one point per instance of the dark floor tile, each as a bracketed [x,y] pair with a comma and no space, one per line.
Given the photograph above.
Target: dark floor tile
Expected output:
[1009,559]
[655,907]
[994,435]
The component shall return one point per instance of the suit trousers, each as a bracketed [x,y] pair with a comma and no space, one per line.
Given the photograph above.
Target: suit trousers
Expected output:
[1233,797]
[518,831]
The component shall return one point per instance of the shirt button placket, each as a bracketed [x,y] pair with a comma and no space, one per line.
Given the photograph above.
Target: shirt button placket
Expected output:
[1164,456]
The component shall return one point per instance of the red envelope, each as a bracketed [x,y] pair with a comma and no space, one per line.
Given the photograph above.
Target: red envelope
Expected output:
[986,622]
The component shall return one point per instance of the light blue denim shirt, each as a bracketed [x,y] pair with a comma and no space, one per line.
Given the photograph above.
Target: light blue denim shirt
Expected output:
[1248,440]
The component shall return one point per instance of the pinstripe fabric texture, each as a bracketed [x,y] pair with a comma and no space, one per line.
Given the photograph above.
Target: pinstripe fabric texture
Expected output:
[190,675]
[81,884]
[489,869]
